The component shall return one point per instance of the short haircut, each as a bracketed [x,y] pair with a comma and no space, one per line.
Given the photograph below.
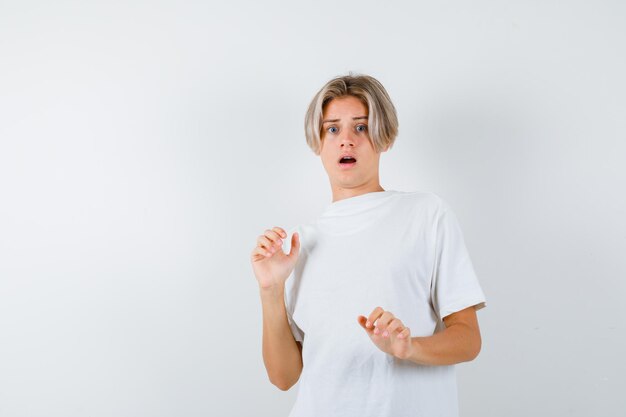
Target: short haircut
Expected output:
[382,117]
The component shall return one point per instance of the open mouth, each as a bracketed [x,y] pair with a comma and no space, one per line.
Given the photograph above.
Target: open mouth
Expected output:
[347,160]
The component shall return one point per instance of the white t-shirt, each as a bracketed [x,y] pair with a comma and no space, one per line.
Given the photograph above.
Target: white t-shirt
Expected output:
[402,251]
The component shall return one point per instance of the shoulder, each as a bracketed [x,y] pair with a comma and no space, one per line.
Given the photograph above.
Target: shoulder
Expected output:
[427,202]
[302,229]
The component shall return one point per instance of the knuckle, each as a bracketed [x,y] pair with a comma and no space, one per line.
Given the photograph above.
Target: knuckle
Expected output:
[273,235]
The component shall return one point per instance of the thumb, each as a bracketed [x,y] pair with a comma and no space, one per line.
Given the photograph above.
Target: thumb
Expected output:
[295,245]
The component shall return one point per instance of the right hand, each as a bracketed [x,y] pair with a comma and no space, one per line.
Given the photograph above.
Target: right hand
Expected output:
[270,264]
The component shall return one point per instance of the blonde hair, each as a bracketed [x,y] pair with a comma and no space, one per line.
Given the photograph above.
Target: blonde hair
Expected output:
[382,118]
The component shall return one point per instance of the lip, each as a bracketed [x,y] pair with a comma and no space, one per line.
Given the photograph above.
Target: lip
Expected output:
[343,155]
[347,165]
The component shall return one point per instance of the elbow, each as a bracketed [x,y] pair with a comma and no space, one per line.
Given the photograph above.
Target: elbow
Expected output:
[473,355]
[282,385]
[475,348]
[284,382]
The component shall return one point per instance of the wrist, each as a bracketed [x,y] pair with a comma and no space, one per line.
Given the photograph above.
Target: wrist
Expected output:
[416,352]
[275,291]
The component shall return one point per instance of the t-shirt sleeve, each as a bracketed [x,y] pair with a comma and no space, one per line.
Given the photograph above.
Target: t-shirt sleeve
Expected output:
[454,284]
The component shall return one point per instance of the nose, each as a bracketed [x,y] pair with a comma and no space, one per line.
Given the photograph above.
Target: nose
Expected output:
[347,139]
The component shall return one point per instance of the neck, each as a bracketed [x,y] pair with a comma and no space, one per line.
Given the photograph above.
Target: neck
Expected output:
[340,193]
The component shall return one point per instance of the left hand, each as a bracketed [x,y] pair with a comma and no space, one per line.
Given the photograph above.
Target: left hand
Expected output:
[388,333]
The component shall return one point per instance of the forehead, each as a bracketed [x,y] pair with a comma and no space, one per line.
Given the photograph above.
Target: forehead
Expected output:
[346,106]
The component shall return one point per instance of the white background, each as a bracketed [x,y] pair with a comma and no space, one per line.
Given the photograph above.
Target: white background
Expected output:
[145,145]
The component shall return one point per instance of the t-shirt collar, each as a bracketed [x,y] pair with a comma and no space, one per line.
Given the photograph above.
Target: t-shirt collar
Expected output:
[348,205]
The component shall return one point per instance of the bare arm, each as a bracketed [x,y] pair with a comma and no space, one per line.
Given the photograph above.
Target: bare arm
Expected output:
[459,342]
[282,354]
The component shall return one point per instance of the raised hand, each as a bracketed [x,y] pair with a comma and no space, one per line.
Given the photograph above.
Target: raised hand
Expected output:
[388,333]
[270,264]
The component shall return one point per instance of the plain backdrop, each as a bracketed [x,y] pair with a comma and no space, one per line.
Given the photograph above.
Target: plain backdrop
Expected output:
[145,145]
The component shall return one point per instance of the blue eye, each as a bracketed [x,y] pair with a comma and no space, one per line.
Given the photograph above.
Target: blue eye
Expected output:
[330,129]
[361,128]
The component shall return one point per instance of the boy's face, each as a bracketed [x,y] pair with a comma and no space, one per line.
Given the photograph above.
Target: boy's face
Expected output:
[345,131]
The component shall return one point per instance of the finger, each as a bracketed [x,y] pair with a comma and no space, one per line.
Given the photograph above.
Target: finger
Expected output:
[260,253]
[394,326]
[374,315]
[362,320]
[384,320]
[295,245]
[271,241]
[265,243]
[273,237]
[405,333]
[280,231]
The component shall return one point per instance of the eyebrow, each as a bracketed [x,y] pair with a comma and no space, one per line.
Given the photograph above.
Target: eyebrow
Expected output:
[336,120]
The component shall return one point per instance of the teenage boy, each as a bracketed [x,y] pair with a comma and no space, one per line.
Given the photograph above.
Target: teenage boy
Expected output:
[370,306]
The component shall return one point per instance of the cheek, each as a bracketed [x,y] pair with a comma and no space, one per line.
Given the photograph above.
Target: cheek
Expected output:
[326,159]
[370,160]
